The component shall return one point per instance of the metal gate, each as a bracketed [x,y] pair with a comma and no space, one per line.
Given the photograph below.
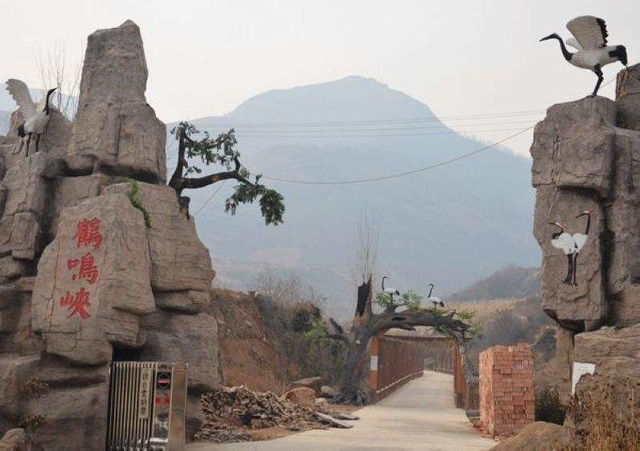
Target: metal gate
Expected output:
[147,402]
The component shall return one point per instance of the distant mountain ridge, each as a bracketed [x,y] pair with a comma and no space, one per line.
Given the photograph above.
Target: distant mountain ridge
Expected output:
[508,283]
[451,226]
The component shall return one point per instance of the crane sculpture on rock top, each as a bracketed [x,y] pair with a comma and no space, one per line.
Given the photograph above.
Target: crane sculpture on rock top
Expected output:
[590,41]
[36,115]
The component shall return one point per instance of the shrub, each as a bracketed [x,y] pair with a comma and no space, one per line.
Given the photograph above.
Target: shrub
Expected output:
[600,425]
[31,423]
[548,406]
[300,337]
[34,388]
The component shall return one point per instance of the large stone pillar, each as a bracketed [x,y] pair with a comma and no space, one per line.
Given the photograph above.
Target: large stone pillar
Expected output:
[586,157]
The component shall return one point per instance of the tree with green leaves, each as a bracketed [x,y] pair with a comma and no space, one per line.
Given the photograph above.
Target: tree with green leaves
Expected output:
[196,145]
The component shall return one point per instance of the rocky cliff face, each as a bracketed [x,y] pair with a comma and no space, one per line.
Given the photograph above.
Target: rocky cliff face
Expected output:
[86,277]
[587,159]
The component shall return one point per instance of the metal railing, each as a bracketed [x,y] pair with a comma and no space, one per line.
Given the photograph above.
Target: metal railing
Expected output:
[394,362]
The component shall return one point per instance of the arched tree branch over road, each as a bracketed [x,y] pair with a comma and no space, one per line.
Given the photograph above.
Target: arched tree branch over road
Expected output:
[367,324]
[220,151]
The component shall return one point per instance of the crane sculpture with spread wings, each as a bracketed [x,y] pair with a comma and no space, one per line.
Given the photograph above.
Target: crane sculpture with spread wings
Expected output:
[590,41]
[36,115]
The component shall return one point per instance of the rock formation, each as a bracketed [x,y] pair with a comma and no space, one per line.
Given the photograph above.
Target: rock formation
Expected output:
[88,276]
[115,129]
[586,156]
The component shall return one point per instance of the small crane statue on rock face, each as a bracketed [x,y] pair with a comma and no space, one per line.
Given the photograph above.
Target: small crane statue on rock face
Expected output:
[571,245]
[590,41]
[36,116]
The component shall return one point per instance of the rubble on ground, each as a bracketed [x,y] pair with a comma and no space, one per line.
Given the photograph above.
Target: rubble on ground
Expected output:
[232,413]
[314,383]
[302,396]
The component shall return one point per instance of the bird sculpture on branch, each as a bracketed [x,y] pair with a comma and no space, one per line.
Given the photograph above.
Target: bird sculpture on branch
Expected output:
[36,115]
[590,41]
[436,301]
[391,292]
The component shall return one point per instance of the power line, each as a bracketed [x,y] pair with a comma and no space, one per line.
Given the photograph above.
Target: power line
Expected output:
[374,129]
[399,174]
[204,204]
[373,121]
[383,135]
[392,121]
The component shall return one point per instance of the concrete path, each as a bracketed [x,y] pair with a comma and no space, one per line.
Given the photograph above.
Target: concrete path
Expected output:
[420,415]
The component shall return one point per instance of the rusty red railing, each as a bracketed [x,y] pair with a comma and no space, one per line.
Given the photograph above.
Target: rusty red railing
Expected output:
[394,362]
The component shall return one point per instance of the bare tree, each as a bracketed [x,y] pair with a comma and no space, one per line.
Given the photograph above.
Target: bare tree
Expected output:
[286,291]
[365,248]
[55,72]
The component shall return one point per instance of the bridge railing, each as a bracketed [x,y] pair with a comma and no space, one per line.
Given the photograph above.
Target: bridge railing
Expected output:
[394,362]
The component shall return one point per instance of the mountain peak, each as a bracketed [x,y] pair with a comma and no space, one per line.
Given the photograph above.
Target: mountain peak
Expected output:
[347,99]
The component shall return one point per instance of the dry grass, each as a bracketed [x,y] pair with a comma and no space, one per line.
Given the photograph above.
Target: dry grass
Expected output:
[34,388]
[486,309]
[600,426]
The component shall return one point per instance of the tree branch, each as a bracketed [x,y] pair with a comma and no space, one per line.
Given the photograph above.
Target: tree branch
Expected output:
[182,162]
[339,337]
[201,182]
[337,332]
[409,319]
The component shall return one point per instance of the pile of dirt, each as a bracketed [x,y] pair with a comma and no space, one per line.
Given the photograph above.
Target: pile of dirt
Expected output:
[230,414]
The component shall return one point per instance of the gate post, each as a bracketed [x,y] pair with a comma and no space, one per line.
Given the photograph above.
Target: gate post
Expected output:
[373,367]
[458,378]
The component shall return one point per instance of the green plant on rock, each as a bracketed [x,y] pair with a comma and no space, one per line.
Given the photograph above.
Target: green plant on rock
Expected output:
[31,423]
[34,388]
[135,200]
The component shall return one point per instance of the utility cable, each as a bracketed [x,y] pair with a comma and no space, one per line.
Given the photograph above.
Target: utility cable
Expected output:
[399,174]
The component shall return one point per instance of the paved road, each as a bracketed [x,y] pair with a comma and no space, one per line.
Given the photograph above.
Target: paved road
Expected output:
[420,415]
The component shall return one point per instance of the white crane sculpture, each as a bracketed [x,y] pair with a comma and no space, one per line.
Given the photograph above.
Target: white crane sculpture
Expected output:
[434,299]
[580,239]
[590,41]
[391,292]
[571,245]
[36,116]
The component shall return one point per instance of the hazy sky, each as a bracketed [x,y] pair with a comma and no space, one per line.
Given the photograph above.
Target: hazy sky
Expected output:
[205,57]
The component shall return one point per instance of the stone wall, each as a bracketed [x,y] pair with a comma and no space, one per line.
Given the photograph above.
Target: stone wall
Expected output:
[586,157]
[84,277]
[506,389]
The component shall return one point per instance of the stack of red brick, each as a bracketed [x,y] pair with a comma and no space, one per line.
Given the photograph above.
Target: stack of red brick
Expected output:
[506,389]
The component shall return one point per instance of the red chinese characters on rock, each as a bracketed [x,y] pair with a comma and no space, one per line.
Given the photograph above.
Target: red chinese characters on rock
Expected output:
[88,270]
[76,303]
[87,235]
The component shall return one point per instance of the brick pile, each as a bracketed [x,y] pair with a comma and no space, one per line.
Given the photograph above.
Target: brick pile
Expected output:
[506,389]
